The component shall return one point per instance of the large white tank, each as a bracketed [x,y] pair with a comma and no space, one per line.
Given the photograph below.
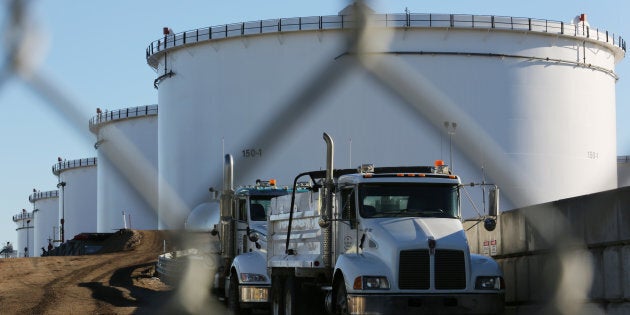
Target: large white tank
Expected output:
[25,223]
[127,170]
[77,196]
[623,170]
[46,216]
[543,90]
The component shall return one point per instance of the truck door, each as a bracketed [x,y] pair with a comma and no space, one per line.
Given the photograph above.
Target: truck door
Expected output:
[347,227]
[241,226]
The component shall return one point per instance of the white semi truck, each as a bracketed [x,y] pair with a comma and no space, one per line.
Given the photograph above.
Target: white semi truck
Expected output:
[376,241]
[243,278]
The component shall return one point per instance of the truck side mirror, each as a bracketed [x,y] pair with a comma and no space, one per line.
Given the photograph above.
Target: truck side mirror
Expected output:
[489,224]
[214,231]
[253,236]
[493,208]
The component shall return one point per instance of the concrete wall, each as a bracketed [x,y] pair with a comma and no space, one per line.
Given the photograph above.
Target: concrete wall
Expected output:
[623,171]
[581,242]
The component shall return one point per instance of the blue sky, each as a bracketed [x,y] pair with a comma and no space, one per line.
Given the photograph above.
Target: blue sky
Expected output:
[93,51]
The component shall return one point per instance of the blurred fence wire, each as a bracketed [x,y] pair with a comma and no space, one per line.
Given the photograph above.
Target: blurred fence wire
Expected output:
[12,36]
[424,99]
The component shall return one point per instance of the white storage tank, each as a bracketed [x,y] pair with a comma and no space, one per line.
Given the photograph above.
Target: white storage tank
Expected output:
[543,90]
[77,196]
[127,170]
[46,216]
[623,170]
[25,223]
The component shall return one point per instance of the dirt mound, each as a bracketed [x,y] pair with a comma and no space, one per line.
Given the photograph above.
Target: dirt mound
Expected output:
[121,241]
[118,282]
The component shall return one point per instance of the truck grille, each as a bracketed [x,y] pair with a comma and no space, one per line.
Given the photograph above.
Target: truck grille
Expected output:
[450,271]
[414,270]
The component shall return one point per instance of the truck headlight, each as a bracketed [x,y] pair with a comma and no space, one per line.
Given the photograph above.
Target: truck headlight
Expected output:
[371,283]
[489,283]
[253,277]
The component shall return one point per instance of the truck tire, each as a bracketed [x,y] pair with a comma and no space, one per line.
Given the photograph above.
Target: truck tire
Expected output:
[277,300]
[341,298]
[233,303]
[291,294]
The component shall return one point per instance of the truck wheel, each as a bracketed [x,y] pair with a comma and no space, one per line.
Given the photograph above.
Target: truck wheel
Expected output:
[277,300]
[291,293]
[234,305]
[341,298]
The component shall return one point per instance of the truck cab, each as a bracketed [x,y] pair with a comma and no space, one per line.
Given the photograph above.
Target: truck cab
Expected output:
[251,204]
[401,248]
[246,283]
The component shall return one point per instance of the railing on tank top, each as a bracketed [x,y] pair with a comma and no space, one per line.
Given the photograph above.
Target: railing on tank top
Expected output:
[131,112]
[402,20]
[23,216]
[63,165]
[43,195]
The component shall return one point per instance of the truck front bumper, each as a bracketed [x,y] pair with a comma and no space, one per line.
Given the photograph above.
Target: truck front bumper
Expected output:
[473,303]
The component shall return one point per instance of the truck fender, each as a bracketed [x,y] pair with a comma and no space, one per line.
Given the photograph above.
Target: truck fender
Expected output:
[483,266]
[351,266]
[252,262]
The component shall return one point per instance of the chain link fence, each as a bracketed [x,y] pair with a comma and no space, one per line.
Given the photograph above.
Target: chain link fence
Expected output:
[424,101]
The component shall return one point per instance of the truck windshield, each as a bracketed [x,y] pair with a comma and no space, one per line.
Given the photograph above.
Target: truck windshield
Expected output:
[258,208]
[408,200]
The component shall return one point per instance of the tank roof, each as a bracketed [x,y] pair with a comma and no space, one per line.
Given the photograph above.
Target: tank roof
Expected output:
[43,195]
[398,20]
[121,114]
[59,167]
[23,216]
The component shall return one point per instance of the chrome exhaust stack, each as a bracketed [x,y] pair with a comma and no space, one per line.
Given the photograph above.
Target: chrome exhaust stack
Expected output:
[228,173]
[227,211]
[329,185]
[330,152]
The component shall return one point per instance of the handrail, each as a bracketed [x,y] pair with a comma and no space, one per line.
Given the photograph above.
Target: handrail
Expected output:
[131,112]
[22,216]
[623,159]
[399,20]
[43,195]
[64,165]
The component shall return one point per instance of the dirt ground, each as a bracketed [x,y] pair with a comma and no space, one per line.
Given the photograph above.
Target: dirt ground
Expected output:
[121,282]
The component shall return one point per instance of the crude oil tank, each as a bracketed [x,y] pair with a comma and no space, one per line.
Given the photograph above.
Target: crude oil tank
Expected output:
[542,90]
[77,196]
[126,142]
[25,223]
[46,216]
